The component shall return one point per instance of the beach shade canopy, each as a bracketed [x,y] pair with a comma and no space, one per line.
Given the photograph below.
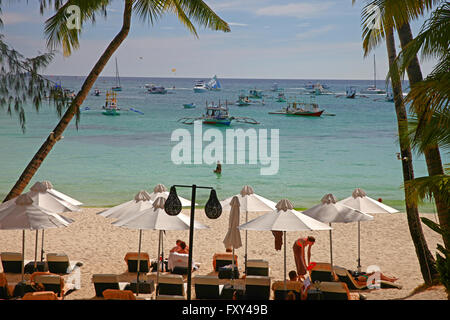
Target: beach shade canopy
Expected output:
[160,191]
[61,195]
[329,211]
[24,214]
[284,218]
[250,202]
[129,209]
[233,236]
[42,196]
[156,218]
[360,201]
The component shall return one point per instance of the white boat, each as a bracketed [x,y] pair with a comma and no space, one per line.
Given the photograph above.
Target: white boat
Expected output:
[200,86]
[373,89]
[275,88]
[212,85]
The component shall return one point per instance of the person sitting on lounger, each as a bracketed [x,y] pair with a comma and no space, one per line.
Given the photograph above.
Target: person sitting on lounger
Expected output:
[178,247]
[293,275]
[183,248]
[361,278]
[299,254]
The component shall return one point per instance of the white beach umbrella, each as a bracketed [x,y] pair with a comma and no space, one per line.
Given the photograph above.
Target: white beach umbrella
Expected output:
[360,201]
[329,211]
[129,209]
[284,218]
[160,190]
[42,196]
[250,202]
[233,236]
[25,214]
[61,195]
[156,218]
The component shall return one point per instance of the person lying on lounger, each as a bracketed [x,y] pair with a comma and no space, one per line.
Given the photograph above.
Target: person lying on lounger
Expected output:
[180,247]
[361,278]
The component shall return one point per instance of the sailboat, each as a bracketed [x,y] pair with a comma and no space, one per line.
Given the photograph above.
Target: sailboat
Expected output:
[117,87]
[373,89]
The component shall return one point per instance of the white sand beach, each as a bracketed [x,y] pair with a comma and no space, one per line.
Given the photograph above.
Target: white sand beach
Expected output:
[101,247]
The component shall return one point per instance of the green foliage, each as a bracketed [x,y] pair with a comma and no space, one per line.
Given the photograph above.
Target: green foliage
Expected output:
[20,83]
[442,261]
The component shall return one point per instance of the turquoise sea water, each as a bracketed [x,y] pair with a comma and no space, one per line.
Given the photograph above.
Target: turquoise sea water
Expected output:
[109,159]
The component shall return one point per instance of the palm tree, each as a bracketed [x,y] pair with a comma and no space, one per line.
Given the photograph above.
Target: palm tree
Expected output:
[372,37]
[397,14]
[58,33]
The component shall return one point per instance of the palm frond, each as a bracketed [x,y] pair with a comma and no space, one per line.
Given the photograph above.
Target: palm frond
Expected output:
[56,29]
[423,188]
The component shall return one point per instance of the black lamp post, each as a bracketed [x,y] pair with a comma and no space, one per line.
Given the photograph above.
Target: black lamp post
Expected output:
[213,210]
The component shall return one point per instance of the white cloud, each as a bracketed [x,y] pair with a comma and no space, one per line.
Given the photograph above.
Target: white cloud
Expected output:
[296,10]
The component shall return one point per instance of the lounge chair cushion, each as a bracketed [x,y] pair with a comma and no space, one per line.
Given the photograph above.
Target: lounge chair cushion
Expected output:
[114,294]
[131,259]
[257,267]
[207,287]
[257,287]
[335,291]
[11,262]
[40,295]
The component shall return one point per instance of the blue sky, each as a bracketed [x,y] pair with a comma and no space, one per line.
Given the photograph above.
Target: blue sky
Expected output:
[282,39]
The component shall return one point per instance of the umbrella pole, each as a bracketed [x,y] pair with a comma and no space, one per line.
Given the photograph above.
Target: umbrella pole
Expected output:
[359,246]
[23,253]
[138,262]
[232,268]
[191,242]
[42,246]
[331,253]
[35,250]
[158,263]
[285,287]
[246,240]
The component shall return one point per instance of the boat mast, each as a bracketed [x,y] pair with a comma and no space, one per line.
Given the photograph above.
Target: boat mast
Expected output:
[117,74]
[374,73]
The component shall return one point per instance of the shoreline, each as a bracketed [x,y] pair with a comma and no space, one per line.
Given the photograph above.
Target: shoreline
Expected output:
[101,247]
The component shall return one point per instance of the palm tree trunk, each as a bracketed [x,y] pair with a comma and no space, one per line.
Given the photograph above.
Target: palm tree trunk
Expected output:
[56,135]
[432,153]
[426,260]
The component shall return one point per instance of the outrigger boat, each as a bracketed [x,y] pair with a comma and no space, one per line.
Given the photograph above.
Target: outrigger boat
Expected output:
[281,97]
[217,115]
[189,105]
[110,108]
[244,100]
[255,94]
[350,92]
[301,109]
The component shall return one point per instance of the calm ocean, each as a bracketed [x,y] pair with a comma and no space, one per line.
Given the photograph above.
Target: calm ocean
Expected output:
[109,159]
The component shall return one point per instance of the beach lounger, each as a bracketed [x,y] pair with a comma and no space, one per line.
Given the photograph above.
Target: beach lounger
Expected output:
[60,263]
[178,263]
[171,285]
[170,297]
[41,295]
[106,281]
[345,276]
[11,262]
[114,294]
[321,272]
[207,287]
[257,288]
[223,259]
[280,293]
[336,291]
[49,282]
[257,267]
[131,258]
